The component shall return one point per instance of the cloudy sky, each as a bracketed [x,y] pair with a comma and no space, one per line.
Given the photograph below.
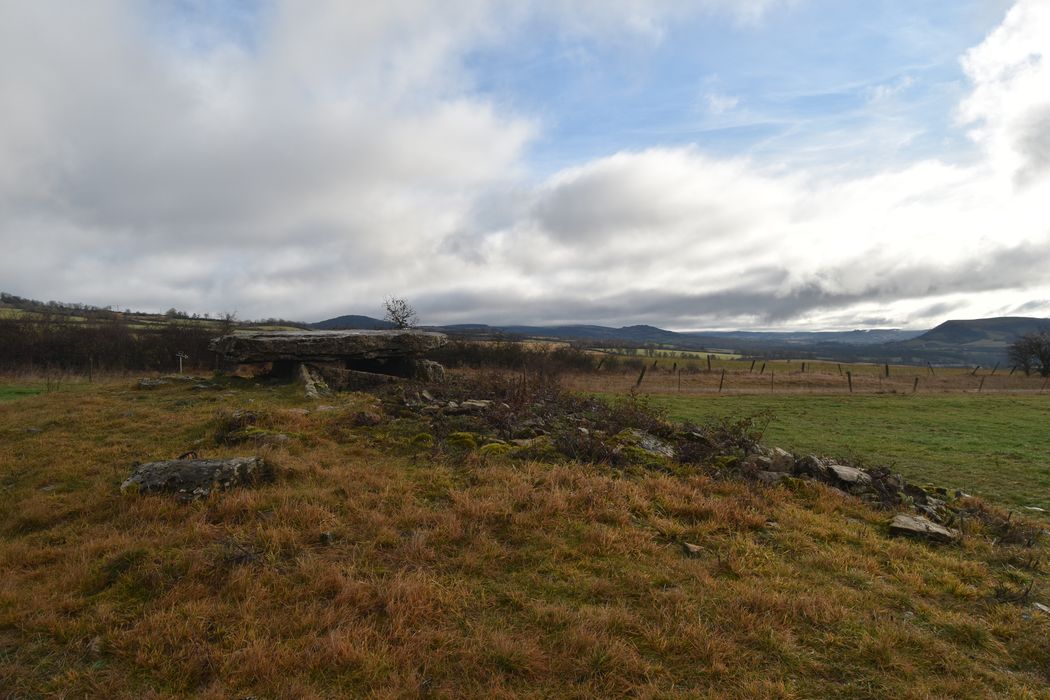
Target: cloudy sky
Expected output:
[689,164]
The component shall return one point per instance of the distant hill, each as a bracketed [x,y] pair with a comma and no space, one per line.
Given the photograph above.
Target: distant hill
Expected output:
[652,334]
[980,341]
[984,331]
[352,322]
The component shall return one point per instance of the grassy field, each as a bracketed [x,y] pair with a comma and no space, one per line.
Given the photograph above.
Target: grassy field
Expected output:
[10,391]
[783,377]
[379,566]
[995,445]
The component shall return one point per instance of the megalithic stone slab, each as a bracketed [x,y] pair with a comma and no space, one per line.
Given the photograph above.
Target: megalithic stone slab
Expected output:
[190,479]
[919,527]
[324,346]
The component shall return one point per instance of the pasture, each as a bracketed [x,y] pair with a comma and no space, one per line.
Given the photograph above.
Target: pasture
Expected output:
[993,445]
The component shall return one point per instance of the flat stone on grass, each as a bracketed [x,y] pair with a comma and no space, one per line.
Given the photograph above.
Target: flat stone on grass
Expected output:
[190,479]
[922,528]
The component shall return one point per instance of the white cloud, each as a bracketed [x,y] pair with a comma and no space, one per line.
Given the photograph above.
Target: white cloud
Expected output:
[887,91]
[1009,107]
[718,103]
[341,156]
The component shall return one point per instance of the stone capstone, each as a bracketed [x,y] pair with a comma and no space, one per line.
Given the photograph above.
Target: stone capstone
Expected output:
[190,479]
[324,346]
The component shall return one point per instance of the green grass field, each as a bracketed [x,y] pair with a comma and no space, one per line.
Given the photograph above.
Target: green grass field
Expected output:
[17,391]
[996,446]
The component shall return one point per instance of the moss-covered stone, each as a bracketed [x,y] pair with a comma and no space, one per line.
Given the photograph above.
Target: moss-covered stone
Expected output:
[422,440]
[462,440]
[495,449]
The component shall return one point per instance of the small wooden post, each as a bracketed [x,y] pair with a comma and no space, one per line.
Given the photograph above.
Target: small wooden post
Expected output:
[993,369]
[887,369]
[641,376]
[1012,370]
[915,386]
[930,366]
[840,369]
[849,379]
[722,380]
[771,374]
[981,385]
[708,363]
[803,368]
[974,372]
[752,366]
[763,370]
[679,381]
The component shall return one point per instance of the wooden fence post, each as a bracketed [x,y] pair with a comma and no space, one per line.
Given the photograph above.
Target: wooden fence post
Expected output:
[980,386]
[915,386]
[722,380]
[771,374]
[887,369]
[993,369]
[752,366]
[708,363]
[849,378]
[974,372]
[763,370]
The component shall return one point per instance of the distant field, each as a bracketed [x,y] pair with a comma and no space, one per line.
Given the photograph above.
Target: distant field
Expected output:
[692,376]
[995,446]
[668,355]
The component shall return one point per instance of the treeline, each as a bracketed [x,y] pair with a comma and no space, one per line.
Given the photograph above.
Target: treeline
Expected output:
[106,343]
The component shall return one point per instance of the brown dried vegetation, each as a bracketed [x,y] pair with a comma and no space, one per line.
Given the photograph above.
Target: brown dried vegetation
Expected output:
[379,566]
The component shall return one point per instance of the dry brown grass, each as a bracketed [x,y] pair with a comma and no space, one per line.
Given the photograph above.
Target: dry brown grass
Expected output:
[375,569]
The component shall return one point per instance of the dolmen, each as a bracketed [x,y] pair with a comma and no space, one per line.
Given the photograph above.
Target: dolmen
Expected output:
[324,360]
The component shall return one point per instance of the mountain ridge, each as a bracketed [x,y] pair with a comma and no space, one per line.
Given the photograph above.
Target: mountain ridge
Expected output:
[956,341]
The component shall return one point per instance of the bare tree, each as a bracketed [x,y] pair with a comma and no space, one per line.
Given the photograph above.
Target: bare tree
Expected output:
[399,313]
[1031,352]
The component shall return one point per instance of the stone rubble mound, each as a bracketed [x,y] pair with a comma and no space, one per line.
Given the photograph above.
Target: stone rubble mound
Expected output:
[931,513]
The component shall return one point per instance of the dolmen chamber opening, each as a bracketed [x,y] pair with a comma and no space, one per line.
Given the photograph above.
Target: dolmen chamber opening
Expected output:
[321,360]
